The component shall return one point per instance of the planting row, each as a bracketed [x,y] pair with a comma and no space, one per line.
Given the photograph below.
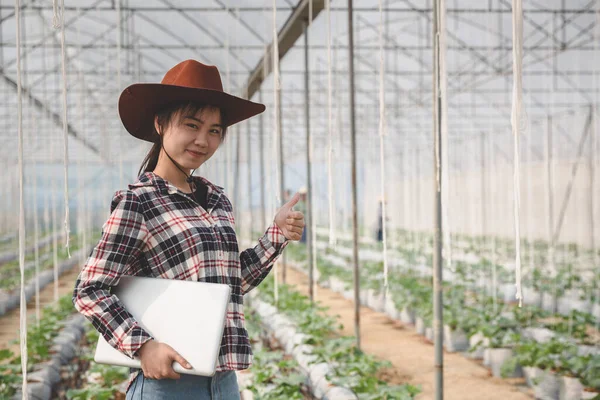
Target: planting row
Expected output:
[11,253]
[51,345]
[567,289]
[500,333]
[327,359]
[10,297]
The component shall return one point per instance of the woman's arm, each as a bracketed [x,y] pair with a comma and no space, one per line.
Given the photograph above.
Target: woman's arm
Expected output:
[116,254]
[258,261]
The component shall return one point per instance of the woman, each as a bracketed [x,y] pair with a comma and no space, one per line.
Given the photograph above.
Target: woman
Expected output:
[171,224]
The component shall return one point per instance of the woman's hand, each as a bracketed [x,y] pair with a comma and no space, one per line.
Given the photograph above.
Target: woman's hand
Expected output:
[157,360]
[289,221]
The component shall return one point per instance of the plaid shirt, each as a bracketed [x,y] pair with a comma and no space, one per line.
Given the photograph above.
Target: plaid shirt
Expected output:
[157,230]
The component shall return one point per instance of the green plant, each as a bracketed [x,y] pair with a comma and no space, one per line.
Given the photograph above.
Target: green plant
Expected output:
[590,376]
[351,367]
[551,355]
[501,332]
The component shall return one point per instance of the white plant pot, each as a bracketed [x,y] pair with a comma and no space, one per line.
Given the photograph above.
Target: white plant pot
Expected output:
[564,306]
[497,358]
[455,340]
[584,350]
[570,388]
[339,393]
[541,335]
[529,373]
[376,302]
[37,391]
[336,284]
[407,316]
[486,357]
[364,298]
[545,384]
[585,395]
[549,302]
[349,294]
[473,341]
[420,326]
[429,334]
[596,310]
[581,305]
[508,292]
[390,307]
[532,297]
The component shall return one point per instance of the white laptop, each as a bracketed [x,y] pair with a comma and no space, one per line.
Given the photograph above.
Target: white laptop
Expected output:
[187,315]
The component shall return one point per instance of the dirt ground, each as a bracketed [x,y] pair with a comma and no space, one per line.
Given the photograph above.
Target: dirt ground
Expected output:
[411,355]
[9,322]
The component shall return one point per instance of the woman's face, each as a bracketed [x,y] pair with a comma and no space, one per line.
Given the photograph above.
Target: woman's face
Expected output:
[192,139]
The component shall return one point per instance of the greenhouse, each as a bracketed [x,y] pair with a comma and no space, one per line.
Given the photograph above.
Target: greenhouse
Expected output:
[399,198]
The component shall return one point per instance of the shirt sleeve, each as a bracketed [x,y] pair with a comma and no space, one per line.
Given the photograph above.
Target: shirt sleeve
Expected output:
[117,253]
[258,261]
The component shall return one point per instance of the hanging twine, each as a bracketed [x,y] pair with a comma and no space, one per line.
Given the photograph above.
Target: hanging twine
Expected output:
[56,18]
[332,237]
[23,307]
[445,189]
[65,130]
[276,89]
[382,134]
[36,234]
[519,126]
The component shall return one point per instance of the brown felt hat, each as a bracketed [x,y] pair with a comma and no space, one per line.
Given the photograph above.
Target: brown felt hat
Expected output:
[189,80]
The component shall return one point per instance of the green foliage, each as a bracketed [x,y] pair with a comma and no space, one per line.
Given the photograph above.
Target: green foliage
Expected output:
[351,368]
[552,355]
[275,377]
[575,324]
[39,339]
[357,370]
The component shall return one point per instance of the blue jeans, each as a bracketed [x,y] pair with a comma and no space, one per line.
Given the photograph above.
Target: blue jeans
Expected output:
[222,386]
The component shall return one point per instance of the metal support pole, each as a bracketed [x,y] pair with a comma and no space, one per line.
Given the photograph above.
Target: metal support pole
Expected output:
[261,148]
[550,193]
[281,174]
[236,179]
[311,266]
[483,189]
[353,160]
[249,152]
[437,209]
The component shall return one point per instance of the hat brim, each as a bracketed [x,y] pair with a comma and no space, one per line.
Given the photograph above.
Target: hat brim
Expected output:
[139,103]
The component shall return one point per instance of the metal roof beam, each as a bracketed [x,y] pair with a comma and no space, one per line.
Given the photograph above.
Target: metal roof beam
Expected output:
[287,36]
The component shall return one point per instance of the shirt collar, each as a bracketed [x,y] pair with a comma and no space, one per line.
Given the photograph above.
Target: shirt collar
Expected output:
[149,178]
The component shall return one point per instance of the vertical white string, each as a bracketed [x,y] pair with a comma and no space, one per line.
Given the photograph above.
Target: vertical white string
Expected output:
[332,231]
[382,134]
[518,122]
[494,213]
[268,184]
[55,229]
[119,30]
[276,91]
[36,224]
[405,185]
[445,202]
[65,130]
[594,148]
[23,305]
[55,16]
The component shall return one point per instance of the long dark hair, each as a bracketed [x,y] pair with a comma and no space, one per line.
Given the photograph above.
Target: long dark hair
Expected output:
[165,115]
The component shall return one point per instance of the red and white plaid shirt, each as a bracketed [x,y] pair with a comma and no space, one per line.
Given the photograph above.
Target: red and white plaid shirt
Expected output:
[157,230]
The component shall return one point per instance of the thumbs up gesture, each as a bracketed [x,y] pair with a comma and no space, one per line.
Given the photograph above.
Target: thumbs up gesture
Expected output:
[289,221]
